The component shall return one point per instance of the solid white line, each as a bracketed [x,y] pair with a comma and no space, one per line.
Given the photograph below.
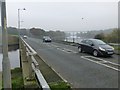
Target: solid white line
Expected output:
[59,75]
[52,68]
[103,60]
[100,63]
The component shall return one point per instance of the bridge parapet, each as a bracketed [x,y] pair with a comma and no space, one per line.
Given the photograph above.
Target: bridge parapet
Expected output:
[30,66]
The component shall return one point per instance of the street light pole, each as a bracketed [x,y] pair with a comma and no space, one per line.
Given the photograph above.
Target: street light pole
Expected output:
[19,20]
[19,29]
[5,63]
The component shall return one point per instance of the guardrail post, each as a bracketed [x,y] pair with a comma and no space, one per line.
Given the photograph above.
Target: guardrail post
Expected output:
[20,51]
[30,68]
[24,53]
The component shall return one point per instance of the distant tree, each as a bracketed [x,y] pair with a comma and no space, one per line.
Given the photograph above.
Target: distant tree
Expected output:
[12,30]
[114,36]
[37,32]
[56,35]
[100,36]
[23,32]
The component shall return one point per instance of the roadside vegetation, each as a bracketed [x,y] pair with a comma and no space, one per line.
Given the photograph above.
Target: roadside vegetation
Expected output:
[54,35]
[117,47]
[59,86]
[17,79]
[113,37]
[37,33]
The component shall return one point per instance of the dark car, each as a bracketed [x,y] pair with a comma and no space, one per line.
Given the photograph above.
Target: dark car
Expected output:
[46,39]
[96,47]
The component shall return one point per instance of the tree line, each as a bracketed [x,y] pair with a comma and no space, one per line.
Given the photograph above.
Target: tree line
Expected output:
[113,37]
[109,36]
[37,33]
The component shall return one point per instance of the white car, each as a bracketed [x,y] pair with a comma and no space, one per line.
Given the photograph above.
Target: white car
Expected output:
[25,37]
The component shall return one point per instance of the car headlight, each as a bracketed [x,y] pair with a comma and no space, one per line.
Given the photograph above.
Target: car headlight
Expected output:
[113,48]
[102,49]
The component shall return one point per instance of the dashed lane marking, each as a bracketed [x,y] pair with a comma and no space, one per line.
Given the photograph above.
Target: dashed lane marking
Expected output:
[62,49]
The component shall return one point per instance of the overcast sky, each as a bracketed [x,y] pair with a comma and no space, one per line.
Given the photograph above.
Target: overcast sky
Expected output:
[65,16]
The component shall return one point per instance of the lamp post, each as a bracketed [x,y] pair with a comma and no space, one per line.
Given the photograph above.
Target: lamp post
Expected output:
[19,20]
[6,69]
[19,28]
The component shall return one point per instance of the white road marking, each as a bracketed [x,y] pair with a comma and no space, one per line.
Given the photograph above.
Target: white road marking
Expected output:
[100,62]
[103,60]
[54,45]
[66,50]
[63,50]
[69,50]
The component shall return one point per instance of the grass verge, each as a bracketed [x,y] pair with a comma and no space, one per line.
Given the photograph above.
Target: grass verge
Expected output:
[17,79]
[59,86]
[117,48]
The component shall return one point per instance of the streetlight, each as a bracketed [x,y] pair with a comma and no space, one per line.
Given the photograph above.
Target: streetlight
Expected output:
[6,62]
[19,18]
[19,28]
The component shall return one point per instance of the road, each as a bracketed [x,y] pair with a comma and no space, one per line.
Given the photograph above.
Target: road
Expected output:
[81,70]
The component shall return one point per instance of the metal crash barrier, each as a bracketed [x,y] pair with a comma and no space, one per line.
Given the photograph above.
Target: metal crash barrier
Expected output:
[34,66]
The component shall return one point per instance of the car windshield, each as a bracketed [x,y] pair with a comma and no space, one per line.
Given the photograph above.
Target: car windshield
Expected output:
[99,42]
[47,37]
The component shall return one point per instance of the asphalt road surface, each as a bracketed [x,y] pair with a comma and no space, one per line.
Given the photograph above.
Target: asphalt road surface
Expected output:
[81,70]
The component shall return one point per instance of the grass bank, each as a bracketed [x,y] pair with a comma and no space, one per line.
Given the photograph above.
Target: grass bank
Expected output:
[17,79]
[117,48]
[18,83]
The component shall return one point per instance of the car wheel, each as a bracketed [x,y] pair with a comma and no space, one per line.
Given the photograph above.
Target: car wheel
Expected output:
[95,53]
[79,49]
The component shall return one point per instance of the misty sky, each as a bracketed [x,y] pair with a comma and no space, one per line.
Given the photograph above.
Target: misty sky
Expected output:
[65,16]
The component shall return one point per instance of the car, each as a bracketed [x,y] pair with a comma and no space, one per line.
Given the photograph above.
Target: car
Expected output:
[96,47]
[25,37]
[46,39]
